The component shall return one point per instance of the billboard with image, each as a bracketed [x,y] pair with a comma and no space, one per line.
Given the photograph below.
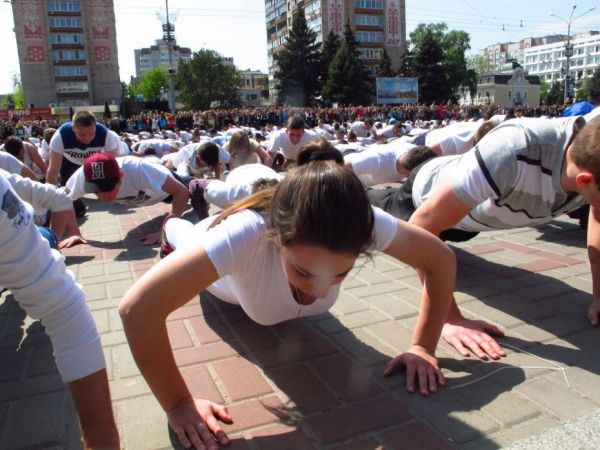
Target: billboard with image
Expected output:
[397,90]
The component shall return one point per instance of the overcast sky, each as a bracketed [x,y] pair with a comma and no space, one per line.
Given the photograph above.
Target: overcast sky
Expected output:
[236,28]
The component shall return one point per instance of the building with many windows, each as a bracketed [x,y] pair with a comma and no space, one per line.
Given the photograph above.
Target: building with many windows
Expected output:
[254,84]
[158,55]
[67,52]
[377,24]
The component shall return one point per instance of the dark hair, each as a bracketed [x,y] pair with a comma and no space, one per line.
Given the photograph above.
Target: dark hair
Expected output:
[295,123]
[320,203]
[585,149]
[417,156]
[13,145]
[149,151]
[209,153]
[83,119]
[320,150]
[484,129]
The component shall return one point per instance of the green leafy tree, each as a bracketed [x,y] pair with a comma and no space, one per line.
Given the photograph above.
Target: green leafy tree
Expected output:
[127,98]
[16,99]
[556,94]
[207,78]
[385,66]
[298,64]
[544,90]
[331,44]
[428,66]
[348,81]
[594,87]
[480,64]
[583,92]
[426,43]
[150,83]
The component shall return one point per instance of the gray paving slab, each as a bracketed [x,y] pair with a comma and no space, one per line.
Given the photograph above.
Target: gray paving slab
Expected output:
[308,379]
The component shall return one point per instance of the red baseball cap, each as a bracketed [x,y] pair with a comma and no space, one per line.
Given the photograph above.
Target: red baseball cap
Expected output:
[101,172]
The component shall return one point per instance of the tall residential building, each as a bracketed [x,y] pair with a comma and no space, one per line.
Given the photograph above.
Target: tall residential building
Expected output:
[67,52]
[377,25]
[501,54]
[158,55]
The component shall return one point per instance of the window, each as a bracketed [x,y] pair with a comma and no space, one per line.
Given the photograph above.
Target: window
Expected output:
[369,36]
[72,86]
[59,55]
[368,4]
[370,53]
[364,19]
[66,38]
[65,22]
[64,6]
[70,71]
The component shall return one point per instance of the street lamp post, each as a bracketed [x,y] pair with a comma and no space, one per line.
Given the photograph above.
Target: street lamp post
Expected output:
[171,70]
[569,48]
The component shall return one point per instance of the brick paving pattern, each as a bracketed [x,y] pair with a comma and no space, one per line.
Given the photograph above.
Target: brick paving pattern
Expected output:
[317,382]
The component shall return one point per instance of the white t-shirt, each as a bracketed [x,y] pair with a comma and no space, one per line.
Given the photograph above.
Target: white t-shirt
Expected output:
[142,182]
[9,163]
[238,184]
[454,139]
[41,284]
[184,160]
[593,113]
[279,142]
[185,136]
[377,164]
[65,142]
[361,131]
[251,268]
[161,146]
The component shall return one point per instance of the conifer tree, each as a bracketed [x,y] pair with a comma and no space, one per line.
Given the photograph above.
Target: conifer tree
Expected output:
[385,66]
[594,87]
[348,81]
[298,64]
[427,64]
[331,45]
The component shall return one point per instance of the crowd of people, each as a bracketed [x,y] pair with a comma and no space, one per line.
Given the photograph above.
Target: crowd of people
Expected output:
[299,194]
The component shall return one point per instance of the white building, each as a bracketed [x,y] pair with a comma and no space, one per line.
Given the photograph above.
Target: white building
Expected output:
[158,55]
[549,61]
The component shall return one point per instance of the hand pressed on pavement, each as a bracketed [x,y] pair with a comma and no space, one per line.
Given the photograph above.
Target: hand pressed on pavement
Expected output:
[473,335]
[420,364]
[71,241]
[196,423]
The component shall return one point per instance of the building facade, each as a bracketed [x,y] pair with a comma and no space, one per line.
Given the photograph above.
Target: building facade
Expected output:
[377,25]
[254,84]
[67,52]
[550,61]
[158,55]
[507,89]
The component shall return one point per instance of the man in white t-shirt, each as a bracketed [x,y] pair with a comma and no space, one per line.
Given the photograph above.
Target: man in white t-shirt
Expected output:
[364,129]
[288,142]
[46,290]
[458,137]
[197,159]
[160,146]
[130,181]
[12,165]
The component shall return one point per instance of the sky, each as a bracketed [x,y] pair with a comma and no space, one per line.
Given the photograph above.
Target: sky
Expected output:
[236,28]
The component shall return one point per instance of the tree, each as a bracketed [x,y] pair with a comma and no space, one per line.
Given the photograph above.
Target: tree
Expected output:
[331,44]
[428,66]
[544,90]
[594,87]
[556,94]
[480,64]
[385,66]
[207,78]
[150,83]
[16,99]
[298,64]
[426,43]
[107,114]
[583,92]
[348,82]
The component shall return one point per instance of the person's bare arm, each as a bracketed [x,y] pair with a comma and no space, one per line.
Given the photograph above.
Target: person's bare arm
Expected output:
[54,168]
[593,247]
[28,173]
[91,396]
[144,309]
[35,157]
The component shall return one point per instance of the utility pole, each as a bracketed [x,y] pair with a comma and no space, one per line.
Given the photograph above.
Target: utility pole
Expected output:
[167,25]
[569,49]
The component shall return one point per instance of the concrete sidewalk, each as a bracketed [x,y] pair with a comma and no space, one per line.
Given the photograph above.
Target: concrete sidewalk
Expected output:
[318,383]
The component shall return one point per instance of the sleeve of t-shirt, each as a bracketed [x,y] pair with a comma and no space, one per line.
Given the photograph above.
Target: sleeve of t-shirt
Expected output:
[56,143]
[44,150]
[111,145]
[153,175]
[9,163]
[490,169]
[384,230]
[38,195]
[46,290]
[232,244]
[74,186]
[224,155]
[364,163]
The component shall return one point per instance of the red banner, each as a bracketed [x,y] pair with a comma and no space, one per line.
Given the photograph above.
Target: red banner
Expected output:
[26,114]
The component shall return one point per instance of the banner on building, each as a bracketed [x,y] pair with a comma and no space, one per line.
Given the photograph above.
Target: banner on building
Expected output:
[32,35]
[26,114]
[397,90]
[336,16]
[392,23]
[100,12]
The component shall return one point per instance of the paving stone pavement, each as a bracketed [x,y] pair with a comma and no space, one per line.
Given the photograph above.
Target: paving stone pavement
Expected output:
[317,382]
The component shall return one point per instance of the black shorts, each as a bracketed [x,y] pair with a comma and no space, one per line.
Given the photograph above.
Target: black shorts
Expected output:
[399,203]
